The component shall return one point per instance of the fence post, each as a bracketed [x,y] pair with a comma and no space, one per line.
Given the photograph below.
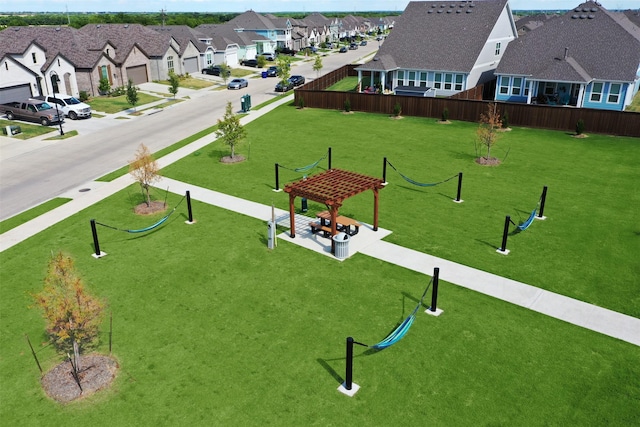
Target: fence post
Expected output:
[457,200]
[543,198]
[503,249]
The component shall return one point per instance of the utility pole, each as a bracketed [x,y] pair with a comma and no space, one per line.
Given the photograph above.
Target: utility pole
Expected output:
[162,11]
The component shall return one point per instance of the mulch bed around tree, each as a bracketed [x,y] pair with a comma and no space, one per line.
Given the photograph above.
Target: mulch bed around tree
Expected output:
[97,372]
[235,159]
[154,207]
[491,161]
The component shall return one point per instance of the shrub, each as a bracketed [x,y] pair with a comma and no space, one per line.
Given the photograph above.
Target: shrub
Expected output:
[262,61]
[445,114]
[104,87]
[301,102]
[397,109]
[347,105]
[505,120]
[84,96]
[118,91]
[580,127]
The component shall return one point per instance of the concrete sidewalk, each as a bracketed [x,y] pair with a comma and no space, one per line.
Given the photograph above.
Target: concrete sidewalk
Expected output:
[367,242]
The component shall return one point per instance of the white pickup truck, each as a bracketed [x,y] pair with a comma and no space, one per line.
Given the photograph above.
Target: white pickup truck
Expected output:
[70,106]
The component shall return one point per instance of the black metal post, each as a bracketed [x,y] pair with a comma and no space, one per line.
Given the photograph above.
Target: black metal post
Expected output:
[96,244]
[542,200]
[277,179]
[189,206]
[507,220]
[434,290]
[349,374]
[459,187]
[34,353]
[384,170]
[329,158]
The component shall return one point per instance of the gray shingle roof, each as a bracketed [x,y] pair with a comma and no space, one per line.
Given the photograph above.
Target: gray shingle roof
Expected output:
[604,45]
[251,20]
[124,36]
[183,34]
[223,35]
[441,35]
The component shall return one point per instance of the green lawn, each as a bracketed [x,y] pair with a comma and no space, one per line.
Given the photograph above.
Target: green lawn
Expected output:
[212,328]
[27,130]
[27,216]
[115,104]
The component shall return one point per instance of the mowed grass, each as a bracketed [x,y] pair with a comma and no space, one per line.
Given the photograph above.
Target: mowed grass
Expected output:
[212,328]
[587,248]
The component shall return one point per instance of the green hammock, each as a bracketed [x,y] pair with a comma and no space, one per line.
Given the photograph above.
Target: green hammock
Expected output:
[419,184]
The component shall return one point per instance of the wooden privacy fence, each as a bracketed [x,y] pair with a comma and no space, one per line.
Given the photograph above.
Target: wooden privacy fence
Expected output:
[621,123]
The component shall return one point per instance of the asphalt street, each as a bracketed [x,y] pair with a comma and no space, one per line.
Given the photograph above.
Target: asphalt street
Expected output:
[32,172]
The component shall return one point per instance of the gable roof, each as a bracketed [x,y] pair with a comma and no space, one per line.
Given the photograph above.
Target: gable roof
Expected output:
[67,42]
[125,36]
[572,47]
[442,35]
[183,34]
[251,20]
[222,35]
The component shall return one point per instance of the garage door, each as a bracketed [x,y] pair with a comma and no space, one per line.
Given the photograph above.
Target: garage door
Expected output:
[191,65]
[137,74]
[15,93]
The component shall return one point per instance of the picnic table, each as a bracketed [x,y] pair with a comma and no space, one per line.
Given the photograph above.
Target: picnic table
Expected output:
[343,224]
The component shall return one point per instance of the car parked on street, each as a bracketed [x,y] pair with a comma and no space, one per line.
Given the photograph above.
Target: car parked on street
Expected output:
[353,46]
[297,80]
[272,71]
[237,84]
[69,105]
[32,110]
[250,63]
[284,86]
[286,51]
[214,70]
[363,43]
[343,49]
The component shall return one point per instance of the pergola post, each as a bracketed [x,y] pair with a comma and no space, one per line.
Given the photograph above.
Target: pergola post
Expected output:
[334,225]
[292,214]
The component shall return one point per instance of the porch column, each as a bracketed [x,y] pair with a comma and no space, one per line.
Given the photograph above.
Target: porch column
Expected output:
[383,76]
[530,91]
[359,80]
[580,96]
[292,215]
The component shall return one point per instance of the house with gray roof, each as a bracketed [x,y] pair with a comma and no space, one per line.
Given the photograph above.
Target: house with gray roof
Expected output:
[440,48]
[193,51]
[589,57]
[274,34]
[231,47]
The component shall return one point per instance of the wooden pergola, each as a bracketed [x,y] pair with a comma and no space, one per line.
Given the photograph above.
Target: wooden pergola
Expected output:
[332,187]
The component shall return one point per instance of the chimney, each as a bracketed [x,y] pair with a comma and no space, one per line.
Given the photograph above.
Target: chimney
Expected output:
[566,52]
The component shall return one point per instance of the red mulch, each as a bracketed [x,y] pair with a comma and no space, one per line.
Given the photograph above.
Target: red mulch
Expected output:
[236,159]
[491,161]
[155,207]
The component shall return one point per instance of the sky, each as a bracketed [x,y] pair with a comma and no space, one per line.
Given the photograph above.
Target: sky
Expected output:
[266,5]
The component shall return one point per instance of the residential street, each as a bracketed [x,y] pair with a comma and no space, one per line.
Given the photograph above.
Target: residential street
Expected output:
[32,172]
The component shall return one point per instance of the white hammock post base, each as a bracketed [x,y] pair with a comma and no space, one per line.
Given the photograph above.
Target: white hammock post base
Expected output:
[354,389]
[100,255]
[435,313]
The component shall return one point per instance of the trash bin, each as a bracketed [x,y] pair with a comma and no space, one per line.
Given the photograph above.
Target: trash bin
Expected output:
[264,74]
[305,206]
[248,102]
[242,104]
[341,241]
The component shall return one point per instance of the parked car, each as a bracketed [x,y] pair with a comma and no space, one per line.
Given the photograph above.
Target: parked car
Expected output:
[363,43]
[353,46]
[311,49]
[269,56]
[272,71]
[379,38]
[286,51]
[250,63]
[70,106]
[32,110]
[237,84]
[343,49]
[297,80]
[284,86]
[329,45]
[214,70]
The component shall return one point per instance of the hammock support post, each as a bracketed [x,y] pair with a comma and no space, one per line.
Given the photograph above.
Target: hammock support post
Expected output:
[96,244]
[457,200]
[503,248]
[329,158]
[542,200]
[190,221]
[277,179]
[384,170]
[348,387]
[433,310]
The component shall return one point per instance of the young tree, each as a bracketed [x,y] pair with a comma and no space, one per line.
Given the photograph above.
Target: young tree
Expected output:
[284,67]
[104,87]
[145,170]
[488,129]
[174,81]
[72,315]
[230,129]
[225,72]
[132,94]
[317,65]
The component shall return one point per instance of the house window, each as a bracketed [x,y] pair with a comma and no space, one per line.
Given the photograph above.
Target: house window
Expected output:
[170,63]
[412,78]
[33,56]
[504,85]
[423,79]
[437,81]
[517,86]
[497,48]
[209,60]
[549,88]
[54,83]
[448,79]
[6,65]
[400,78]
[596,92]
[58,62]
[104,73]
[459,78]
[614,93]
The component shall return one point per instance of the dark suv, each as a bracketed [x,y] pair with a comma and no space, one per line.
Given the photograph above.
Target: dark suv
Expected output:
[214,70]
[250,63]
